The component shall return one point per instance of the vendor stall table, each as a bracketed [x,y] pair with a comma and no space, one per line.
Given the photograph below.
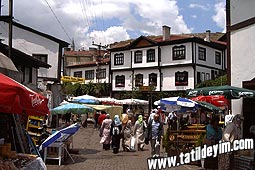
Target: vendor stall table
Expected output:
[61,148]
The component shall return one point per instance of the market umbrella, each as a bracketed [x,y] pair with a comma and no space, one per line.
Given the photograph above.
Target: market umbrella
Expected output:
[132,101]
[17,98]
[230,92]
[85,99]
[179,101]
[74,108]
[217,100]
[61,135]
[208,106]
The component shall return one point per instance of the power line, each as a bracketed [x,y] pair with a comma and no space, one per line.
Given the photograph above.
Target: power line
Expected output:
[58,20]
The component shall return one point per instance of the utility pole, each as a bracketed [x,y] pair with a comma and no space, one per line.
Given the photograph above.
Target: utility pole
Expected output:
[98,60]
[10,27]
[8,19]
[98,69]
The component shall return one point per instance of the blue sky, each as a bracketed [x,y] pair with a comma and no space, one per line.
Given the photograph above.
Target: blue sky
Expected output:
[108,21]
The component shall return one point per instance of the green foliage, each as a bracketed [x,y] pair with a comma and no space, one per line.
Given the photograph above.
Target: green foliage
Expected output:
[219,81]
[200,139]
[166,141]
[78,89]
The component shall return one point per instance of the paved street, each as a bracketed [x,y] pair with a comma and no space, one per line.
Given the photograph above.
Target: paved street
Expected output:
[92,157]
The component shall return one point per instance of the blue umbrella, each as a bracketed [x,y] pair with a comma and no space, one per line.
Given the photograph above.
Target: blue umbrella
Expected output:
[61,135]
[87,101]
[71,107]
[178,101]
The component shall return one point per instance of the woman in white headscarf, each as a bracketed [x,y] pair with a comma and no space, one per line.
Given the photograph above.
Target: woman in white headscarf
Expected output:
[115,132]
[139,129]
[105,132]
[232,132]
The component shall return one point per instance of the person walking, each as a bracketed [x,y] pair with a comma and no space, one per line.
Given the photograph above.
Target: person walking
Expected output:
[101,118]
[116,128]
[213,136]
[104,132]
[127,129]
[232,132]
[96,116]
[139,129]
[155,134]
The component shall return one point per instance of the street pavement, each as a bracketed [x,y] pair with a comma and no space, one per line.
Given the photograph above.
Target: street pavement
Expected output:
[91,156]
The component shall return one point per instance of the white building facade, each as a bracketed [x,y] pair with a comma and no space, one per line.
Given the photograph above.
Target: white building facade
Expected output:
[39,45]
[169,63]
[241,21]
[43,47]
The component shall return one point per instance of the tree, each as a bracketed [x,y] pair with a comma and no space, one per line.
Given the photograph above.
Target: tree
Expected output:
[219,81]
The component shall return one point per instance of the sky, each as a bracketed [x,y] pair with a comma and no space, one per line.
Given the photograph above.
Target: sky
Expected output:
[108,21]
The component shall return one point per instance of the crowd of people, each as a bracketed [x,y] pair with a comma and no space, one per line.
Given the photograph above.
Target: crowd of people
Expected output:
[129,132]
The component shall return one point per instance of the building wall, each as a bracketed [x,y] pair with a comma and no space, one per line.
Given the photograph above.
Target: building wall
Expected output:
[144,61]
[166,55]
[242,59]
[83,69]
[127,60]
[210,57]
[146,77]
[128,81]
[31,43]
[168,82]
[241,10]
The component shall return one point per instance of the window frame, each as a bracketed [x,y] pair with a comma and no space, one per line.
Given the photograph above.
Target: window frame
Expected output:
[218,58]
[150,55]
[202,53]
[77,74]
[185,78]
[91,74]
[41,57]
[138,58]
[138,80]
[120,81]
[151,77]
[101,73]
[179,52]
[119,59]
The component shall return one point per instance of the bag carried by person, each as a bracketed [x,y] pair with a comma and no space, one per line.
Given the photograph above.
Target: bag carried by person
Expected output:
[115,130]
[132,143]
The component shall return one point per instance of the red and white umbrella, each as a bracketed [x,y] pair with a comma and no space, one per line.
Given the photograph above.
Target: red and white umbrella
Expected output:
[217,100]
[19,99]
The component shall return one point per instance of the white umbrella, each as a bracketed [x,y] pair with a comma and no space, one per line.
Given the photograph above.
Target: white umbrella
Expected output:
[133,102]
[179,101]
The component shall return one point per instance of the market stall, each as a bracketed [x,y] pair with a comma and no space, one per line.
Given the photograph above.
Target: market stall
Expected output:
[17,102]
[110,109]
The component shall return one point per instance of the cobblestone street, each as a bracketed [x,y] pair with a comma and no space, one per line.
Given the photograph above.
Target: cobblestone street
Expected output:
[91,156]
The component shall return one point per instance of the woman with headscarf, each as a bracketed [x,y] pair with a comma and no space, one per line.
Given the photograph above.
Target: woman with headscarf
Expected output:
[139,129]
[127,129]
[232,132]
[104,132]
[115,132]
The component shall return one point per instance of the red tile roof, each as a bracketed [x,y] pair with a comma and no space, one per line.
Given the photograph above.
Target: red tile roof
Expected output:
[214,37]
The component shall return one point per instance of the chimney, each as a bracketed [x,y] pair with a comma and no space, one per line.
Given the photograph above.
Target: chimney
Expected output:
[166,32]
[208,36]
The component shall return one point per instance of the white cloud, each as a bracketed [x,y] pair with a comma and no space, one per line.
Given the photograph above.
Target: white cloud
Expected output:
[220,16]
[194,16]
[199,6]
[105,21]
[112,34]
